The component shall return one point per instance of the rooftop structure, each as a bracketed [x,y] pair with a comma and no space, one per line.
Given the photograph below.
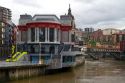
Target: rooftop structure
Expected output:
[68,19]
[24,19]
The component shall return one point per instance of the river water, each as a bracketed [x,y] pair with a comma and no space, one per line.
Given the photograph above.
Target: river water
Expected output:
[103,71]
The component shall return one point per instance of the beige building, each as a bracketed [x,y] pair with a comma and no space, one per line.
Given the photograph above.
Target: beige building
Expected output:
[110,31]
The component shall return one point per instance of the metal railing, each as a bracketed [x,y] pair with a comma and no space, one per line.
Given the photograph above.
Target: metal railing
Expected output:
[15,64]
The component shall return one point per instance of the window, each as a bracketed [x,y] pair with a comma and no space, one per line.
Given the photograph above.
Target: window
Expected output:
[47,49]
[33,48]
[75,48]
[43,49]
[28,48]
[45,19]
[66,47]
[32,34]
[20,47]
[2,42]
[60,48]
[67,59]
[36,48]
[73,37]
[52,49]
[51,35]
[42,35]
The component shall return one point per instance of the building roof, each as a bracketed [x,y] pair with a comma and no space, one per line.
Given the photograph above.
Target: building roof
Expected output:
[46,18]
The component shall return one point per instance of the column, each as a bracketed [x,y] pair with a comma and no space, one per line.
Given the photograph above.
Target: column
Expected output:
[56,49]
[55,35]
[37,34]
[29,35]
[46,34]
[59,33]
[18,37]
[69,36]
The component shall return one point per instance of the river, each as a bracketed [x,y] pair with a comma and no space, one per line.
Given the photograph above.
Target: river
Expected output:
[103,71]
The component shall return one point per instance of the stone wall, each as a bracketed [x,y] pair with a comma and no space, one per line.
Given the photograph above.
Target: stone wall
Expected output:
[21,72]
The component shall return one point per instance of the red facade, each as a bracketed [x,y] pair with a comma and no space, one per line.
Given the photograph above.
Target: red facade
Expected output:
[97,35]
[122,45]
[44,24]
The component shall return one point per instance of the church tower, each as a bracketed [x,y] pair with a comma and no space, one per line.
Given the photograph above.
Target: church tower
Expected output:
[69,11]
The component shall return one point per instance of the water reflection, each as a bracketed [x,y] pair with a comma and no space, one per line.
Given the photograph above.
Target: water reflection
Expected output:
[104,71]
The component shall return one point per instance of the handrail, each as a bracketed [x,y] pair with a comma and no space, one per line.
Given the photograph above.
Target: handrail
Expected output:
[19,63]
[18,57]
[16,54]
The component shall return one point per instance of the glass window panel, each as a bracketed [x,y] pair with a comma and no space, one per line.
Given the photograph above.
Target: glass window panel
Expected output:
[51,35]
[42,35]
[32,34]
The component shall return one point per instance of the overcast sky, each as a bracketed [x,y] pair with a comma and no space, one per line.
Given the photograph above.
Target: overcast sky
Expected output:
[91,13]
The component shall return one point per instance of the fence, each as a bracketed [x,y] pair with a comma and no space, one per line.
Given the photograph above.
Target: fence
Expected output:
[13,64]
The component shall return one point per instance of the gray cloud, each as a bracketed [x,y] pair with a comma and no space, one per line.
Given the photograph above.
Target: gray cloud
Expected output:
[31,3]
[105,12]
[85,1]
[87,12]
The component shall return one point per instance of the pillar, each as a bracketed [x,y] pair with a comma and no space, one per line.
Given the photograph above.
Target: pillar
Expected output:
[69,36]
[37,30]
[46,34]
[59,34]
[29,35]
[55,35]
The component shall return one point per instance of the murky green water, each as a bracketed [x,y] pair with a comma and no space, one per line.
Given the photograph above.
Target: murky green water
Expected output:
[103,71]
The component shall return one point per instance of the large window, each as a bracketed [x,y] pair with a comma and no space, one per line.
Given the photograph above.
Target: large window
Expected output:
[43,49]
[51,35]
[60,48]
[75,48]
[67,59]
[66,48]
[34,48]
[52,49]
[20,47]
[47,49]
[42,35]
[32,34]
